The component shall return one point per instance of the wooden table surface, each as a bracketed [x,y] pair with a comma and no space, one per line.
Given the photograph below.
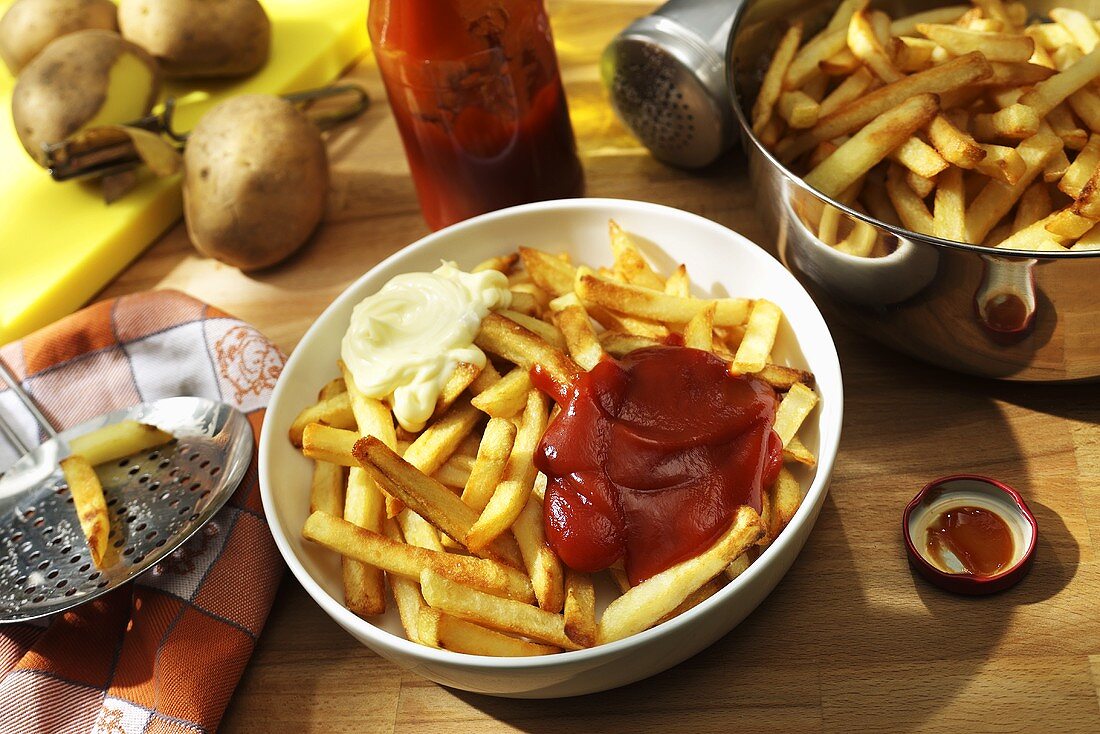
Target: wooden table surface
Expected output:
[850,640]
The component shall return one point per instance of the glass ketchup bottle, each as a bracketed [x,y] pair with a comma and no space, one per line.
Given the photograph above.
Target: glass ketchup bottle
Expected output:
[475,89]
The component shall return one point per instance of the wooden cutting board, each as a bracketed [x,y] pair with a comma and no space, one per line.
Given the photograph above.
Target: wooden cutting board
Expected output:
[60,243]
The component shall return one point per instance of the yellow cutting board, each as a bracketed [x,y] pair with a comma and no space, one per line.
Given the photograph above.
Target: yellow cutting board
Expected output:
[60,243]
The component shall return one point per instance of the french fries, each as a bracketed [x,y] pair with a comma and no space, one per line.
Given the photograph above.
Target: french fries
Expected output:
[960,109]
[106,444]
[91,507]
[466,555]
[117,440]
[639,608]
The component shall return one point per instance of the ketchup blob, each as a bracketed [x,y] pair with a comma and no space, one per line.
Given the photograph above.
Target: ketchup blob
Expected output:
[651,456]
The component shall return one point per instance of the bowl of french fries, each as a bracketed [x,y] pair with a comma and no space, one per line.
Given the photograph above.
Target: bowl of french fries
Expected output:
[430,547]
[931,171]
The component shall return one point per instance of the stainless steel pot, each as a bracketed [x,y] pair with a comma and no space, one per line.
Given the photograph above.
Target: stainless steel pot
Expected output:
[988,312]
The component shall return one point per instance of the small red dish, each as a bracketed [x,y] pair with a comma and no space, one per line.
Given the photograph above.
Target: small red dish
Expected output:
[940,503]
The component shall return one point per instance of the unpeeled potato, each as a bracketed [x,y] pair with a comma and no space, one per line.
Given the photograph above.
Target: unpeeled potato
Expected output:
[29,25]
[199,38]
[84,79]
[255,181]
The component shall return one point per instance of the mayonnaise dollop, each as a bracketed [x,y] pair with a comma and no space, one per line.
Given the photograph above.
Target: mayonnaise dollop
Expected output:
[403,343]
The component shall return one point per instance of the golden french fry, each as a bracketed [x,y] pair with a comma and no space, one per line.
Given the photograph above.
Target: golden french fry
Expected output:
[921,185]
[919,157]
[910,209]
[455,472]
[326,490]
[332,388]
[797,452]
[699,332]
[1078,26]
[547,331]
[646,603]
[997,198]
[806,61]
[325,443]
[953,144]
[787,497]
[1056,166]
[908,25]
[1045,95]
[772,85]
[572,320]
[613,321]
[848,91]
[441,630]
[507,397]
[1034,205]
[949,220]
[869,49]
[792,411]
[1015,122]
[434,446]
[543,566]
[502,263]
[409,560]
[90,505]
[995,46]
[529,299]
[364,587]
[1001,163]
[519,476]
[492,457]
[618,344]
[334,411]
[580,608]
[1082,168]
[117,440]
[645,303]
[551,274]
[759,337]
[738,566]
[871,144]
[461,378]
[678,283]
[1065,127]
[506,338]
[406,592]
[954,74]
[783,378]
[630,265]
[428,498]
[505,615]
[696,598]
[798,109]
[913,54]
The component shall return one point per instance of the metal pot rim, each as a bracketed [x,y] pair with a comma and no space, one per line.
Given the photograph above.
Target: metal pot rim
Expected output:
[900,232]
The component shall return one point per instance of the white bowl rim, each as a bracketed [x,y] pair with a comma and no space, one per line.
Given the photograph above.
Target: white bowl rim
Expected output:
[349,620]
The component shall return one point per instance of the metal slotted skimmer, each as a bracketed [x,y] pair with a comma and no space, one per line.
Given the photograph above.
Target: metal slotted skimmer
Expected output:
[155,500]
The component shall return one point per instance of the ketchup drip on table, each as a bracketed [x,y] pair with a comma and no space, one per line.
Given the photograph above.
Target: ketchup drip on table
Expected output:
[651,456]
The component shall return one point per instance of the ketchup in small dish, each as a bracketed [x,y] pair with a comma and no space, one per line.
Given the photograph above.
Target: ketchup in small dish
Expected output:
[651,456]
[969,534]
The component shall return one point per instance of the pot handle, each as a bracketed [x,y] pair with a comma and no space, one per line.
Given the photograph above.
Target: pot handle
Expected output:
[1005,301]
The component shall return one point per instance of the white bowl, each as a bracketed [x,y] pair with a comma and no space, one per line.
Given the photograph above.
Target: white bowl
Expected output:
[720,262]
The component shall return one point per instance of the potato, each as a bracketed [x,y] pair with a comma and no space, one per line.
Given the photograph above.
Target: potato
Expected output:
[84,79]
[199,38]
[255,181]
[29,25]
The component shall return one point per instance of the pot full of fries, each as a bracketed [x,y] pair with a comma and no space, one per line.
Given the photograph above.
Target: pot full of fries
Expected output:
[931,171]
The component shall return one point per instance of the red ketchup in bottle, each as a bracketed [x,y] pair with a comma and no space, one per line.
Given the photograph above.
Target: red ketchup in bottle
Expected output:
[475,90]
[651,456]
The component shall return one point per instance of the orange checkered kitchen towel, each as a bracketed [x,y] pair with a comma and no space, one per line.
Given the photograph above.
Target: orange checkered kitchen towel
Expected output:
[165,653]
